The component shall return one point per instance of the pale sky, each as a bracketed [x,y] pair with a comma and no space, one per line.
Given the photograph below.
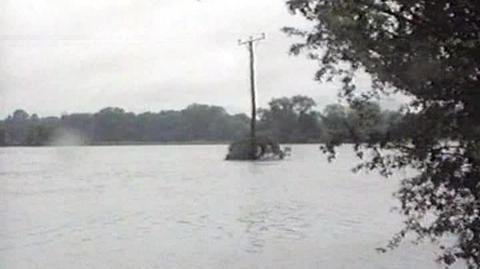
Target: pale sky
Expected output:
[64,56]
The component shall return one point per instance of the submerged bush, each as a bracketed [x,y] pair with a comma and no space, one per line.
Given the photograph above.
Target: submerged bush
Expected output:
[264,148]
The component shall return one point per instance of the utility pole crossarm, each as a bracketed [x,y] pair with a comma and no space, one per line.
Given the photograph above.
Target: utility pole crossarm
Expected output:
[251,39]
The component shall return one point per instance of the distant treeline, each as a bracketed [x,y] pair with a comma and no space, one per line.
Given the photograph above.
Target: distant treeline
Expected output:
[289,120]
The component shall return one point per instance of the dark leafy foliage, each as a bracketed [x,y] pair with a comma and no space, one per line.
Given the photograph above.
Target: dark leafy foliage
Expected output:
[265,148]
[428,50]
[291,120]
[286,120]
[114,125]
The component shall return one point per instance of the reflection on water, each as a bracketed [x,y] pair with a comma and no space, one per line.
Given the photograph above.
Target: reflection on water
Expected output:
[184,207]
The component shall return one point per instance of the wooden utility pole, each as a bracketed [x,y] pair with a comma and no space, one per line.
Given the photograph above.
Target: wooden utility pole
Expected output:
[250,45]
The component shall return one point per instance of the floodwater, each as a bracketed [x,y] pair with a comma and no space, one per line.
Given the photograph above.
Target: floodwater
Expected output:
[184,207]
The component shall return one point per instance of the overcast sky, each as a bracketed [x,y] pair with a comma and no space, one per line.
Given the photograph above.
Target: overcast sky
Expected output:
[64,56]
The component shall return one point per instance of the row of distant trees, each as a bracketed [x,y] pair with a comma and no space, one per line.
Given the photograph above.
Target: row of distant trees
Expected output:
[291,120]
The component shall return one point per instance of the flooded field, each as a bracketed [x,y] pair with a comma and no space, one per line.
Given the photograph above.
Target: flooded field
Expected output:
[184,207]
